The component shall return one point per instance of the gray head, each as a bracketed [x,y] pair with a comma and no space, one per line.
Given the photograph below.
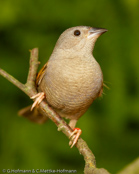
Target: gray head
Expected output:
[79,39]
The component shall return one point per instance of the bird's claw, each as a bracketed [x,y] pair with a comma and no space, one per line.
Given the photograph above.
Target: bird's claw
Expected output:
[38,98]
[74,136]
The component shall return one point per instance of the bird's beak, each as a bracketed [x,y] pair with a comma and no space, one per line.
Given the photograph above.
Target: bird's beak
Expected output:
[96,31]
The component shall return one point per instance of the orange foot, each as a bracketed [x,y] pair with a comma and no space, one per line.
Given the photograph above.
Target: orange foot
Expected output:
[74,136]
[39,97]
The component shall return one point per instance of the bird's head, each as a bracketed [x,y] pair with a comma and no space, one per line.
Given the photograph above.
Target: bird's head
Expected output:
[79,39]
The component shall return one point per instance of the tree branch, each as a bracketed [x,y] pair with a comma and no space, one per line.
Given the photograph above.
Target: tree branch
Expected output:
[34,63]
[12,80]
[30,90]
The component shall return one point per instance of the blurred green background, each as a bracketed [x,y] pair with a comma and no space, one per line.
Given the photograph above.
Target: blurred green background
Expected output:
[111,125]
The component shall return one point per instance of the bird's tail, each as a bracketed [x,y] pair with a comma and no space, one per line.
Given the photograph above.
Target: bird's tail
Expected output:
[34,115]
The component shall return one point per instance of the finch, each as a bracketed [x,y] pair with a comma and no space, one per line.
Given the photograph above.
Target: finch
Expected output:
[71,79]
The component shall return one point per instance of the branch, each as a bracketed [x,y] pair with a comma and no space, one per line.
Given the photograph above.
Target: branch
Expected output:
[33,68]
[12,80]
[30,90]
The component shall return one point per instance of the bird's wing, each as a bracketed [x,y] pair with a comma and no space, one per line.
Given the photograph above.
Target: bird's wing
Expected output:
[40,75]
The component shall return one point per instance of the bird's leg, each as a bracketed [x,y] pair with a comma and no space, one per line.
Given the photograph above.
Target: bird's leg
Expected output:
[75,134]
[38,98]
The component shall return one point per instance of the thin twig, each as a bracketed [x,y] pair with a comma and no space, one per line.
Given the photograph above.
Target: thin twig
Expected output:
[33,67]
[12,80]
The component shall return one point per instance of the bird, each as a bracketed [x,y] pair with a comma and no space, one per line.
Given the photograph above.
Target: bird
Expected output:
[71,79]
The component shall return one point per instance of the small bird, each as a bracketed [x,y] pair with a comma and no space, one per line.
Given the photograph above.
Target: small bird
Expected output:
[71,79]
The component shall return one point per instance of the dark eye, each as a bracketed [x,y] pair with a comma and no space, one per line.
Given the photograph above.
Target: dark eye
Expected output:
[77,32]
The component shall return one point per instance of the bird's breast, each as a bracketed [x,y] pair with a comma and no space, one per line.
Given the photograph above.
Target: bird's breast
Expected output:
[72,84]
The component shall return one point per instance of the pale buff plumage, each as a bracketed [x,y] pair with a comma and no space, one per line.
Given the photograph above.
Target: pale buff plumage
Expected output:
[72,79]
